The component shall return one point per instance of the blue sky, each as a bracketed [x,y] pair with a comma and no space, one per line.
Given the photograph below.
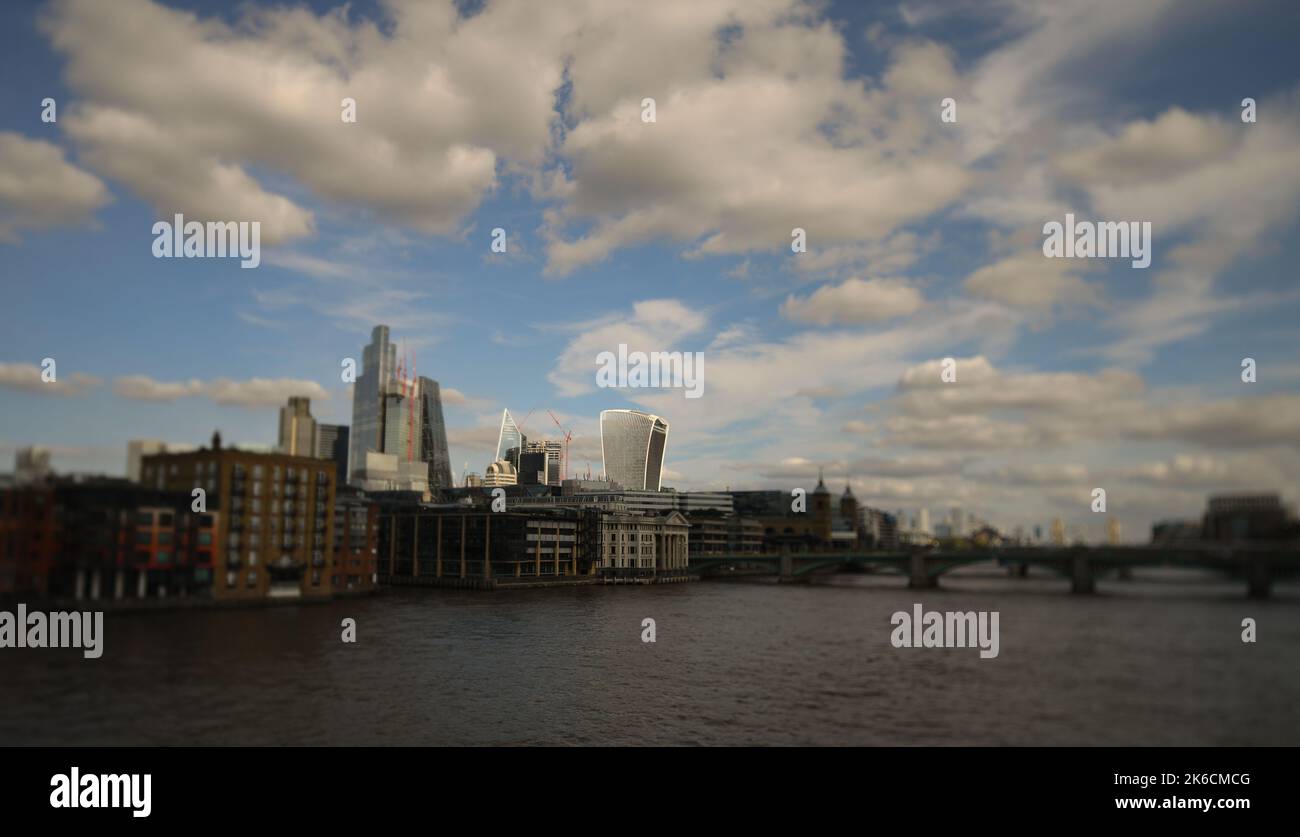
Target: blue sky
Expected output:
[924,236]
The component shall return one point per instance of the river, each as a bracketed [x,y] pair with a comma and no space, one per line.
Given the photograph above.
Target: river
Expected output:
[1143,662]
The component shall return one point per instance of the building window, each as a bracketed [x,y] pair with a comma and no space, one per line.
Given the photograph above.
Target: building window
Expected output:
[252,578]
[231,579]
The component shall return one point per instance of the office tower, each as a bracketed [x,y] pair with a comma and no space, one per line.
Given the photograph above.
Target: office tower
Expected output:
[1112,531]
[923,521]
[1058,532]
[297,428]
[402,423]
[632,445]
[332,444]
[539,464]
[554,454]
[433,434]
[958,522]
[378,362]
[384,443]
[509,437]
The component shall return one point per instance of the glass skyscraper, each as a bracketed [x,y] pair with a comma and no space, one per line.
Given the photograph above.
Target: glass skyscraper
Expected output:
[378,363]
[402,420]
[632,444]
[509,437]
[433,434]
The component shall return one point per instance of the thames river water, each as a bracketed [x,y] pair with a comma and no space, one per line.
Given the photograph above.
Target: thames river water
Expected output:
[1145,662]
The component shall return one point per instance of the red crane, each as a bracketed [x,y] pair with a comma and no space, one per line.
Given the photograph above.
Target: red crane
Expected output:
[568,434]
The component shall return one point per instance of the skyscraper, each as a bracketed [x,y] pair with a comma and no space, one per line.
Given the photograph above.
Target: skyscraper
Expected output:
[433,434]
[387,425]
[332,444]
[509,437]
[554,458]
[632,445]
[378,362]
[297,428]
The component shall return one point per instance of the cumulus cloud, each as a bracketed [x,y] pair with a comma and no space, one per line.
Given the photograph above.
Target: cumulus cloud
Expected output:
[26,377]
[186,111]
[758,134]
[39,188]
[653,326]
[1029,279]
[254,392]
[854,301]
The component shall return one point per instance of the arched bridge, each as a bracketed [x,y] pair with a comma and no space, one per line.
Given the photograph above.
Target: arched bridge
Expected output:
[1258,567]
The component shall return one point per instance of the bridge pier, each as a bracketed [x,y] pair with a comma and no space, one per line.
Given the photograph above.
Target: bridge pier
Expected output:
[1260,581]
[918,578]
[1081,578]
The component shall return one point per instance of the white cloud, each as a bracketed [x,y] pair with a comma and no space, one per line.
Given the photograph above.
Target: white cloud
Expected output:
[26,377]
[254,392]
[39,188]
[654,326]
[855,301]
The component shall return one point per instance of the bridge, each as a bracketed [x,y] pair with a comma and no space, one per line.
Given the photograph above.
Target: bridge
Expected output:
[1258,567]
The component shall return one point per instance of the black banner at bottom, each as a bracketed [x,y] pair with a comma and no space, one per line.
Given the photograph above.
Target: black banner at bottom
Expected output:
[342,786]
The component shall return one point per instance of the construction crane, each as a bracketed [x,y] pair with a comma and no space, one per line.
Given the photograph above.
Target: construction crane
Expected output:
[568,434]
[406,387]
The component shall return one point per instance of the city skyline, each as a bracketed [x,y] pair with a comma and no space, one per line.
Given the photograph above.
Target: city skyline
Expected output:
[1069,377]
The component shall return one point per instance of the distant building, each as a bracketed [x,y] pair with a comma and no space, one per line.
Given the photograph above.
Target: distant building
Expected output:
[509,437]
[297,428]
[881,528]
[433,435]
[355,566]
[1246,517]
[1176,533]
[500,473]
[32,464]
[1058,532]
[632,545]
[137,448]
[1113,531]
[102,538]
[457,546]
[374,378]
[823,525]
[332,444]
[536,467]
[632,447]
[398,416]
[275,516]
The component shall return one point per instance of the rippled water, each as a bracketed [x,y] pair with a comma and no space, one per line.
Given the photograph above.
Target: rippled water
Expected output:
[1141,662]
